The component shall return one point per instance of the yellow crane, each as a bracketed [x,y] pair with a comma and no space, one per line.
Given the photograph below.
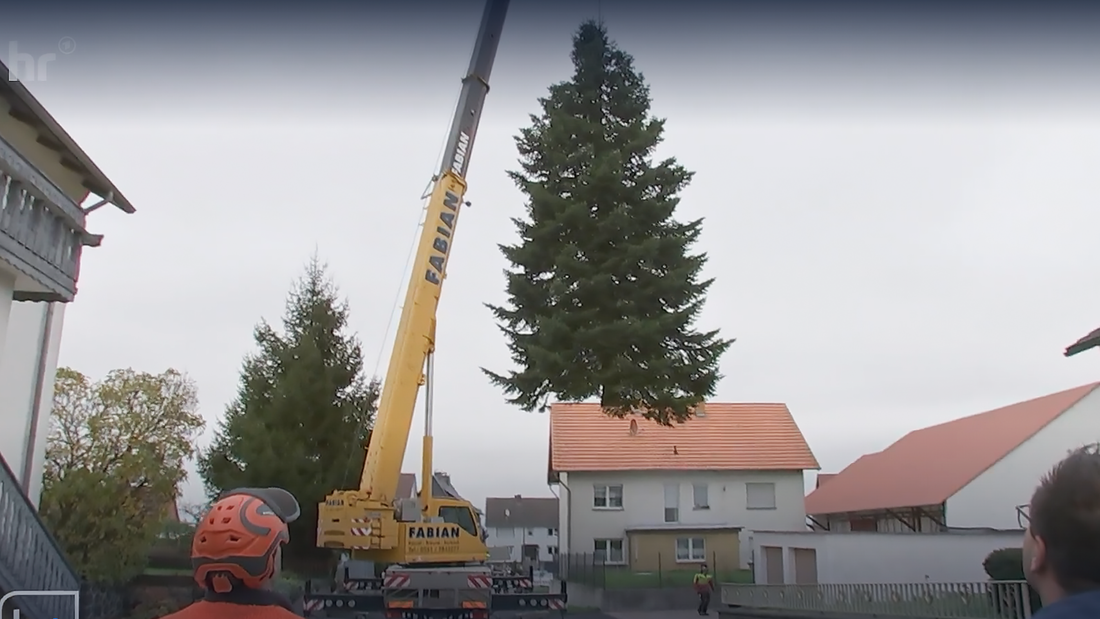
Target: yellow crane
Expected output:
[435,544]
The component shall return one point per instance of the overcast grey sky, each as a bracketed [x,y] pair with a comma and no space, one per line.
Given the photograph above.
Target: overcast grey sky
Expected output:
[901,222]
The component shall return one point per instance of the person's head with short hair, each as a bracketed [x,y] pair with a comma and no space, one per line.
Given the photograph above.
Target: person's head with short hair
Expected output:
[1061,547]
[703,568]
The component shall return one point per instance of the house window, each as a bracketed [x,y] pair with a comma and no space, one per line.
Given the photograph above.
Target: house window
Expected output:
[700,494]
[672,502]
[553,550]
[552,532]
[609,551]
[691,550]
[760,496]
[607,496]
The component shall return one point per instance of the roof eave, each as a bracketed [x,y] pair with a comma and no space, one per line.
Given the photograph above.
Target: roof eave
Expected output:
[56,138]
[1090,341]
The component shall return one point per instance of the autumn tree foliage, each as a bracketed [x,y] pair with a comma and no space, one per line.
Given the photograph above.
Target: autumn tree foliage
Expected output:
[114,460]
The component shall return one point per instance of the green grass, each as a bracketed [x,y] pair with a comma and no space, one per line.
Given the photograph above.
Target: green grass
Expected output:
[621,578]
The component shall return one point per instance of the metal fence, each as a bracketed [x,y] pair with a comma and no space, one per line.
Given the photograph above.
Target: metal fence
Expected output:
[30,558]
[982,600]
[662,571]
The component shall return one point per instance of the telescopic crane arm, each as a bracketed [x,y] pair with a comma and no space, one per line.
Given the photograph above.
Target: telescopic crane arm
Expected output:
[416,330]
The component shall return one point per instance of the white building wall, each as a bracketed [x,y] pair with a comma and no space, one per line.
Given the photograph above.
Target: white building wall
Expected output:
[886,558]
[516,538]
[20,387]
[7,289]
[644,504]
[990,500]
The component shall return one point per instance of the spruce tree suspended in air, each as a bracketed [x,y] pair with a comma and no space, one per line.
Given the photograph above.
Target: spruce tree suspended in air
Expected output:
[603,290]
[303,411]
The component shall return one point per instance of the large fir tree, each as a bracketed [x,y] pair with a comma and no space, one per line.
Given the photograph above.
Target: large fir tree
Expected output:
[303,412]
[603,292]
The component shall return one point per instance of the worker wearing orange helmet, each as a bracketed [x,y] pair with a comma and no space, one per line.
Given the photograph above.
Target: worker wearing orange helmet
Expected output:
[237,552]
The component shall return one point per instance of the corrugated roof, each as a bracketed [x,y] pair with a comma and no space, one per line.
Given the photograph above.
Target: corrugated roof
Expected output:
[928,466]
[523,512]
[724,437]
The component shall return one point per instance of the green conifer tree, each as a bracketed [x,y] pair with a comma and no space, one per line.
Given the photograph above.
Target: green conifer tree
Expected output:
[603,292]
[303,412]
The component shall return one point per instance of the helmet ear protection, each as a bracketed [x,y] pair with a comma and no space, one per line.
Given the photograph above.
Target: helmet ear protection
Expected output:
[279,501]
[237,542]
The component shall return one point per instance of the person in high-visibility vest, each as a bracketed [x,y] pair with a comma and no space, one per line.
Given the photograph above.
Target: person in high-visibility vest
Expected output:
[704,585]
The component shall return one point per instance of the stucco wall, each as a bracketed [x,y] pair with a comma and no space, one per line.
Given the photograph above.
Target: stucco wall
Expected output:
[884,558]
[19,388]
[990,500]
[643,504]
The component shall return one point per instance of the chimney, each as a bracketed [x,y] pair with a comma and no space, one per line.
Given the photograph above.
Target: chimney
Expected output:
[518,496]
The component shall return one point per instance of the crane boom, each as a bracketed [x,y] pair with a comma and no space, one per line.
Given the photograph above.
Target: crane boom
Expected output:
[435,554]
[416,329]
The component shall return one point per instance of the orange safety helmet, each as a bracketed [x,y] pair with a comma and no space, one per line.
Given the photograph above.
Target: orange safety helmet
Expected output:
[238,540]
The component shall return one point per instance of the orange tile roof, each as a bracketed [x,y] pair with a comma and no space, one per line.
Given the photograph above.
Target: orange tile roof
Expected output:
[725,437]
[928,466]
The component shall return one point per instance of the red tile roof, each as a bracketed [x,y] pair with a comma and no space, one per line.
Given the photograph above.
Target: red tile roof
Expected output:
[928,466]
[724,437]
[824,477]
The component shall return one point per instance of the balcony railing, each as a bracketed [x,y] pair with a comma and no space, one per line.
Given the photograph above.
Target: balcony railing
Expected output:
[41,229]
[982,600]
[30,559]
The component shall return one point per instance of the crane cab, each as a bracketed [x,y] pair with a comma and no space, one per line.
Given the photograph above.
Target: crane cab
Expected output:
[450,535]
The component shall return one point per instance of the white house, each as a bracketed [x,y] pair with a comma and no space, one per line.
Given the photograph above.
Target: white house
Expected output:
[974,472]
[649,497]
[827,558]
[526,526]
[45,179]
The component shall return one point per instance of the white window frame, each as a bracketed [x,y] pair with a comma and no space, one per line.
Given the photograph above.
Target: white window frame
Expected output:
[608,550]
[695,492]
[672,503]
[605,492]
[768,505]
[552,532]
[696,550]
